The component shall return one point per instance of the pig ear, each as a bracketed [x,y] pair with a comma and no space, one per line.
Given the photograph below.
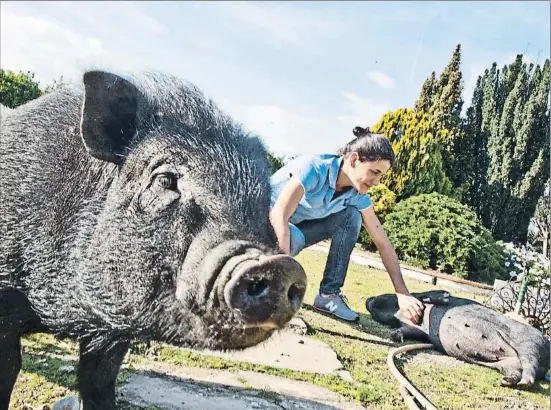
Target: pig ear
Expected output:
[109,115]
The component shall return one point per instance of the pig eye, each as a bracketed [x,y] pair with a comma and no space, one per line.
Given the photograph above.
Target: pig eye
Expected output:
[167,181]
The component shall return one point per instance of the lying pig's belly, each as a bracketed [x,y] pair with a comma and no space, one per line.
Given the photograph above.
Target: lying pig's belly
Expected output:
[463,332]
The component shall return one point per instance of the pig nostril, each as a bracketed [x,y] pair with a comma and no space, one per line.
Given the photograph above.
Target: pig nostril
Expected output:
[268,291]
[294,295]
[257,287]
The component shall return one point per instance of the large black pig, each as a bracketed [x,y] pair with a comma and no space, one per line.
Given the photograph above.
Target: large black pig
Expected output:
[469,331]
[132,208]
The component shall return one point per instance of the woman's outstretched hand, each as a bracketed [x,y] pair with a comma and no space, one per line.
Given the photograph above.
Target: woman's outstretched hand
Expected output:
[410,306]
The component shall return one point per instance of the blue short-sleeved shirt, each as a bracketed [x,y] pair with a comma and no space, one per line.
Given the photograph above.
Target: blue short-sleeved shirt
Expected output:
[318,175]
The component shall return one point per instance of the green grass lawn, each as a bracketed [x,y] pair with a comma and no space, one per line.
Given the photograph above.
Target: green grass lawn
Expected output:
[363,350]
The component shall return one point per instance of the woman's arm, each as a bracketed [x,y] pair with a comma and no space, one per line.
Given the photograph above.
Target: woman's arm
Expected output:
[411,306]
[285,205]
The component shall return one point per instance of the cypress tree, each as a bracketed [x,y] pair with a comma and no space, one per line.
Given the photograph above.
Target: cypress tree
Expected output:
[473,149]
[426,98]
[518,147]
[448,101]
[446,119]
[507,133]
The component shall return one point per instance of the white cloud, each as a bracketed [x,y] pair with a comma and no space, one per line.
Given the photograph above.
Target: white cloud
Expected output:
[381,79]
[362,111]
[44,47]
[283,24]
[53,39]
[120,15]
[287,132]
[135,16]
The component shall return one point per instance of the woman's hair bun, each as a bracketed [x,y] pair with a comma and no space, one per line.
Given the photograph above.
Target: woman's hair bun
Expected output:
[360,132]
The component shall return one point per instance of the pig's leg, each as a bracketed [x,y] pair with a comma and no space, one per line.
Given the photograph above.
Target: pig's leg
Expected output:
[97,376]
[509,367]
[10,363]
[529,359]
[434,297]
[407,332]
[16,319]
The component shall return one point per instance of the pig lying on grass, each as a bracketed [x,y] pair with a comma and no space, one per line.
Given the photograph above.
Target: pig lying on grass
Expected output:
[469,331]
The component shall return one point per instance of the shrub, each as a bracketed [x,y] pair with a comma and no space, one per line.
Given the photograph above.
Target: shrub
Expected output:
[17,88]
[437,232]
[384,201]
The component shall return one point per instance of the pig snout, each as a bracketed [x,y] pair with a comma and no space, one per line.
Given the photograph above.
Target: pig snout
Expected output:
[266,291]
[369,303]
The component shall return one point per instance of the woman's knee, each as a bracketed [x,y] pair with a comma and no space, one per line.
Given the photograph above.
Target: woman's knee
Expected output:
[298,241]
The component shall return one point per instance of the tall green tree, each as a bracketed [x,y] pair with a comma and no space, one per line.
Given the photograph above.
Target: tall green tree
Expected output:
[441,99]
[426,98]
[17,88]
[446,120]
[497,156]
[515,122]
[471,149]
[419,167]
[448,102]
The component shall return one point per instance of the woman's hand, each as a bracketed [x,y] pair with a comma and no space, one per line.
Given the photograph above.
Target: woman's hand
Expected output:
[410,306]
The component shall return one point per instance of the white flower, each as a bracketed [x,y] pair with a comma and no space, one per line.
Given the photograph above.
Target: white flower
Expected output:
[512,273]
[507,264]
[519,266]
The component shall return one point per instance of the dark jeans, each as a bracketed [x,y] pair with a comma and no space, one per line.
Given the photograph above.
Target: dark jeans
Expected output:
[344,229]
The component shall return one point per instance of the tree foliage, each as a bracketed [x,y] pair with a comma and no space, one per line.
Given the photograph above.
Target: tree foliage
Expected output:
[17,88]
[426,98]
[435,231]
[539,229]
[494,159]
[275,161]
[383,200]
[57,84]
[419,168]
[508,130]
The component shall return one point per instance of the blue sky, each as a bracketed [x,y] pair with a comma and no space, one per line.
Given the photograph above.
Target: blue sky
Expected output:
[300,74]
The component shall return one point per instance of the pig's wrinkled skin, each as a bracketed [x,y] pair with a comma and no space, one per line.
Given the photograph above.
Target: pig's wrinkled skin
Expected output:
[469,331]
[132,208]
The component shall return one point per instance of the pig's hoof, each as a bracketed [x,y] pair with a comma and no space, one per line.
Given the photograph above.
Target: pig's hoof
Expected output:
[68,403]
[397,336]
[509,381]
[525,383]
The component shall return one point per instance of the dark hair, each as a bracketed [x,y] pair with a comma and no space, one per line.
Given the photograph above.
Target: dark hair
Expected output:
[370,146]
